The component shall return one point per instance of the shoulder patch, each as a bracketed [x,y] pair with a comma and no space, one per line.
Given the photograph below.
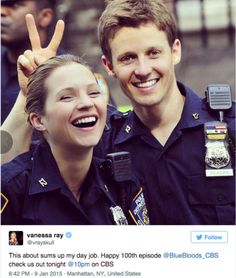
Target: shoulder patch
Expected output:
[138,209]
[4,202]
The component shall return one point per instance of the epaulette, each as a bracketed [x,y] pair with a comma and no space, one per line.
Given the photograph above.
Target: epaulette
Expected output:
[120,115]
[114,117]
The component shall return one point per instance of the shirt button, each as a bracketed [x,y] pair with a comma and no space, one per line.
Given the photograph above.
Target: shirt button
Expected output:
[220,197]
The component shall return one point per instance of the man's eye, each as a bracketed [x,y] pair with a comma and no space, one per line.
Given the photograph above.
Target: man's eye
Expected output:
[154,53]
[127,59]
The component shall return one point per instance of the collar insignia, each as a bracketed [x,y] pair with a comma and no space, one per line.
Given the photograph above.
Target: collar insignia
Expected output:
[196,116]
[127,129]
[42,182]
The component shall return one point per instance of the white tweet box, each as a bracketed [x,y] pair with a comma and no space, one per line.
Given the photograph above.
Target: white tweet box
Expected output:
[118,251]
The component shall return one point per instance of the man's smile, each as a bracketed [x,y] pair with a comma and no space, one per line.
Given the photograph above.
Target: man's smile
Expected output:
[145,84]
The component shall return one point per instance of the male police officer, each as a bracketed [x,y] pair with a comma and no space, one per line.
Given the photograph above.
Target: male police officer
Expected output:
[170,126]
[15,39]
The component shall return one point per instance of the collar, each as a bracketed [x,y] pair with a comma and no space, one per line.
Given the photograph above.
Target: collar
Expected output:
[195,113]
[46,176]
[132,127]
[45,173]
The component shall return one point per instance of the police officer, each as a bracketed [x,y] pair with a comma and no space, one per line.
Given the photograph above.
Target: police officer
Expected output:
[58,182]
[168,133]
[174,175]
[35,194]
[173,137]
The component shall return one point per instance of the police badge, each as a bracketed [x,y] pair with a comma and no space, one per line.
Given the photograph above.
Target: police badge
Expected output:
[217,155]
[118,216]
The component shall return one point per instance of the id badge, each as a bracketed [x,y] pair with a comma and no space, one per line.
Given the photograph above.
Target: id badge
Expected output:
[217,156]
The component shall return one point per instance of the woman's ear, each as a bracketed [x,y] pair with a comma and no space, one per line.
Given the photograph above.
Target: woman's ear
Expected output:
[108,66]
[36,121]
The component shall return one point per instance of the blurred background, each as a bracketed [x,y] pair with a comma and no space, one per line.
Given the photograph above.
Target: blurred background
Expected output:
[206,29]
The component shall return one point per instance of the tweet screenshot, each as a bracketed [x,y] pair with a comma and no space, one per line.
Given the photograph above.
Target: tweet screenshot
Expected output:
[118,139]
[106,251]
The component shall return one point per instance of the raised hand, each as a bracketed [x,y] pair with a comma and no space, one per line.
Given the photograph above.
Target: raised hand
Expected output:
[31,58]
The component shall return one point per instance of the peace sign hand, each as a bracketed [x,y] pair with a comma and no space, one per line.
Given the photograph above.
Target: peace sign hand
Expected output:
[31,59]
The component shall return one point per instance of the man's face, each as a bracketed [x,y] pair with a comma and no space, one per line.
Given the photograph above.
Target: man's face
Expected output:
[143,62]
[13,26]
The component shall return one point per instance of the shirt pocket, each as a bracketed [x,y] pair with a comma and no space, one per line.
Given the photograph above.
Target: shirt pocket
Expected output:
[211,191]
[214,192]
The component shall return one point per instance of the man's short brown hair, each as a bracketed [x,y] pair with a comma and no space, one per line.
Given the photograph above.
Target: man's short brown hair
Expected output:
[133,13]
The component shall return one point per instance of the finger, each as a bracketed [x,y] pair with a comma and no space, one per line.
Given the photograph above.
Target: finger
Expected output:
[33,32]
[24,64]
[39,59]
[31,58]
[57,36]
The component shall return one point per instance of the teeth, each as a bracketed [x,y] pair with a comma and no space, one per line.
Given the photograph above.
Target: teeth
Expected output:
[146,84]
[85,120]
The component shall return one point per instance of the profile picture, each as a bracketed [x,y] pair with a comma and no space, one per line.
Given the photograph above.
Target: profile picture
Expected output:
[15,238]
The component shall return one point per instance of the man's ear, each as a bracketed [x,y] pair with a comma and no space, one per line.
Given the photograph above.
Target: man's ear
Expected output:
[45,17]
[176,51]
[36,121]
[108,66]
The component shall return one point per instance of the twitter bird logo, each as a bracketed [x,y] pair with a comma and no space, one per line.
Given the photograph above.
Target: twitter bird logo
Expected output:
[198,237]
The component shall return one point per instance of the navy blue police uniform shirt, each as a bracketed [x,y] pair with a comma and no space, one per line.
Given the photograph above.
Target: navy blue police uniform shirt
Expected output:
[37,195]
[175,186]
